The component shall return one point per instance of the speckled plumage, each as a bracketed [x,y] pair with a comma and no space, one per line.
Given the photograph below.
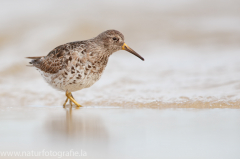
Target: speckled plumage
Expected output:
[77,65]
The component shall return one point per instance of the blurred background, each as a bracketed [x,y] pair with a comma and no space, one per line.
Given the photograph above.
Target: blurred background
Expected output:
[191,50]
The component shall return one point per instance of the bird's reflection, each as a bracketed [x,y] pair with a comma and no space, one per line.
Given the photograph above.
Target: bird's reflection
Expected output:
[69,121]
[77,126]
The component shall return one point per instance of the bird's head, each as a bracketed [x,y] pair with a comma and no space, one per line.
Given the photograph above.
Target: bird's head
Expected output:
[113,41]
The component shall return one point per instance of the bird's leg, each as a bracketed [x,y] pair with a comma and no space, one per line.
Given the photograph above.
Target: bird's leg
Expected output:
[70,100]
[65,103]
[70,97]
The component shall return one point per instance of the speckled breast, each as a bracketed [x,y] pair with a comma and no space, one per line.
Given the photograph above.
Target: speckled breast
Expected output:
[82,71]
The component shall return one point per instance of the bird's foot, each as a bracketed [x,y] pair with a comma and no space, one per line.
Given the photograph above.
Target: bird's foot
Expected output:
[71,100]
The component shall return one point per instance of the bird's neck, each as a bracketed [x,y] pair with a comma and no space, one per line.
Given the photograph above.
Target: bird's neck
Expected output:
[101,53]
[102,48]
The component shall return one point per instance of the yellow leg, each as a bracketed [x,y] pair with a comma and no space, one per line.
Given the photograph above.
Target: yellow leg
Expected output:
[70,97]
[70,100]
[65,103]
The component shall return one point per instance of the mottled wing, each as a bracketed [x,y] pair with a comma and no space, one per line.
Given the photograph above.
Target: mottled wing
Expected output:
[56,60]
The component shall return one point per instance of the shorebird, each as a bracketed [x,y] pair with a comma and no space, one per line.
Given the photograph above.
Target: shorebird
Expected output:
[76,65]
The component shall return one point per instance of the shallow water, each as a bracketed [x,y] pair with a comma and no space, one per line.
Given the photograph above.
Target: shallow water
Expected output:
[114,132]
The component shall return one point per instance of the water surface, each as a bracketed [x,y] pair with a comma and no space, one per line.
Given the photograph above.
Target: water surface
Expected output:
[115,132]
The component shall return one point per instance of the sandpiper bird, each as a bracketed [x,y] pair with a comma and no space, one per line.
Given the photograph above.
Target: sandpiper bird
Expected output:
[76,65]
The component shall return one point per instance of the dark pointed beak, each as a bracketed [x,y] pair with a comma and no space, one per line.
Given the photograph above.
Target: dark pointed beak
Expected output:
[127,48]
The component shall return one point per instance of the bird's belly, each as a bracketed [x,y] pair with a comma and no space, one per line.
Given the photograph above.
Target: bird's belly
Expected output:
[69,82]
[88,81]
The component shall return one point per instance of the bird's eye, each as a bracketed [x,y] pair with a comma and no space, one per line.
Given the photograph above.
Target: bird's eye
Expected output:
[116,39]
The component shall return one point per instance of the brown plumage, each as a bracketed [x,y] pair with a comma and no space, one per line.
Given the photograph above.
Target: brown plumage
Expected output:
[77,65]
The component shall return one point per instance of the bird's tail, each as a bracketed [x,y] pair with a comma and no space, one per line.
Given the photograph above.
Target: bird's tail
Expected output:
[34,60]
